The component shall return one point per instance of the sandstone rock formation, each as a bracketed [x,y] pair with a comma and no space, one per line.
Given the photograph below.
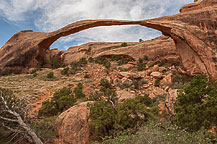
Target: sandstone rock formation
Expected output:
[193,31]
[72,125]
[161,47]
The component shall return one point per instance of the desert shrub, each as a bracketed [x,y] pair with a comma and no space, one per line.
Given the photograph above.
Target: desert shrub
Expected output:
[103,61]
[50,75]
[107,90]
[78,92]
[166,63]
[196,106]
[144,82]
[34,74]
[124,44]
[86,76]
[61,100]
[141,40]
[37,68]
[76,65]
[124,60]
[45,128]
[96,96]
[121,59]
[82,62]
[136,83]
[161,132]
[145,57]
[157,82]
[54,62]
[109,120]
[5,135]
[140,65]
[126,85]
[65,71]
[90,60]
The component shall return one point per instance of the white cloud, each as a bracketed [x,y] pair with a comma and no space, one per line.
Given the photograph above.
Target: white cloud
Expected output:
[55,14]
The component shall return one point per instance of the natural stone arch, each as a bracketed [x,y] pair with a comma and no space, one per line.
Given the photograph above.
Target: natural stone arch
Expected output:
[188,30]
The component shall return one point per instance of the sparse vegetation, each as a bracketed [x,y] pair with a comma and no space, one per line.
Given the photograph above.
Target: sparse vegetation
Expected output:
[141,66]
[50,75]
[37,68]
[34,74]
[124,44]
[65,71]
[86,76]
[141,40]
[158,132]
[78,92]
[54,62]
[103,61]
[157,82]
[45,129]
[76,66]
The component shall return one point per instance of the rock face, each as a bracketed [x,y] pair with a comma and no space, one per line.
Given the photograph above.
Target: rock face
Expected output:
[72,125]
[194,32]
[161,47]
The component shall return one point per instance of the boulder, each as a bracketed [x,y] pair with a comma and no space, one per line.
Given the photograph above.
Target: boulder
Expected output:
[168,79]
[156,74]
[155,68]
[72,125]
[124,95]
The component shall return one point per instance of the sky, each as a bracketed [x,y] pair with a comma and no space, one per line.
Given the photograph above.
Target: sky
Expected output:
[50,15]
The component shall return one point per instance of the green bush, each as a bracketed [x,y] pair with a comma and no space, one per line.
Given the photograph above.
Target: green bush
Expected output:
[37,68]
[54,62]
[61,100]
[90,60]
[121,59]
[157,82]
[141,40]
[103,61]
[108,119]
[124,44]
[50,75]
[196,107]
[82,62]
[45,128]
[78,92]
[136,83]
[126,85]
[97,96]
[145,58]
[86,76]
[65,71]
[76,65]
[141,66]
[161,132]
[34,74]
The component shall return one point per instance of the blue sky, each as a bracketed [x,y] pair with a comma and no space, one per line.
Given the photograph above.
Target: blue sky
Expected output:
[49,15]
